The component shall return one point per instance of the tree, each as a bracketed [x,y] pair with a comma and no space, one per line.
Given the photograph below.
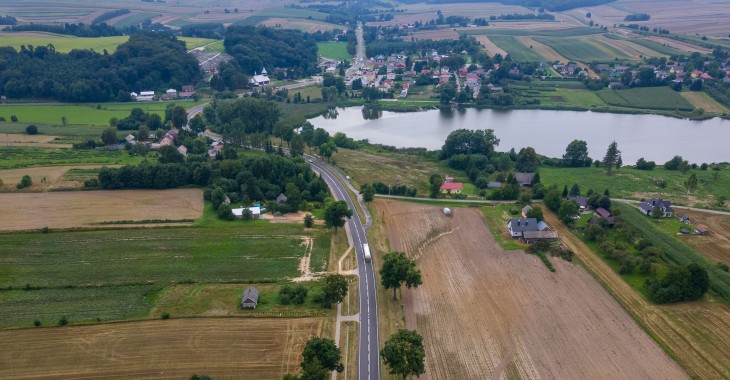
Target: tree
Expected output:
[368,193]
[691,183]
[294,196]
[308,221]
[26,181]
[143,133]
[327,149]
[576,154]
[611,158]
[527,160]
[535,212]
[179,117]
[404,353]
[200,377]
[197,124]
[552,198]
[109,136]
[334,213]
[568,209]
[398,269]
[436,181]
[169,154]
[296,146]
[31,129]
[674,164]
[657,213]
[465,141]
[575,190]
[565,191]
[594,232]
[335,289]
[323,350]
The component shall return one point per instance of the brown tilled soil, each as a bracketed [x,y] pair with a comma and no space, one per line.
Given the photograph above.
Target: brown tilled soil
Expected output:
[68,209]
[697,332]
[223,348]
[490,47]
[486,313]
[716,245]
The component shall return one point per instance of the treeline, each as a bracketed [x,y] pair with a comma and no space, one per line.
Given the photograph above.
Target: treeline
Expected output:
[205,30]
[150,61]
[255,48]
[78,30]
[464,43]
[552,5]
[637,17]
[8,20]
[524,16]
[110,15]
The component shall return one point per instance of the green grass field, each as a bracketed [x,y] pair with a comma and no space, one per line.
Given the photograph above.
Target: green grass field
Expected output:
[21,157]
[516,49]
[630,183]
[98,44]
[578,50]
[118,274]
[660,98]
[88,114]
[334,50]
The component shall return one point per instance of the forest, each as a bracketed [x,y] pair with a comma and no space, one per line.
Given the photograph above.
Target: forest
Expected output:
[149,61]
[256,48]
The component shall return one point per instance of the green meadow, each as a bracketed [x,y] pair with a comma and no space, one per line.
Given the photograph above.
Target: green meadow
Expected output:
[65,44]
[80,114]
[334,50]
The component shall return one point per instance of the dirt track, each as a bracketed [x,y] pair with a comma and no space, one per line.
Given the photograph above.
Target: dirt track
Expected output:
[223,348]
[488,313]
[697,332]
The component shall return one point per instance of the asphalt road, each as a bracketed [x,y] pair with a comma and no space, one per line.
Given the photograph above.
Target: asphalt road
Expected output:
[359,52]
[368,349]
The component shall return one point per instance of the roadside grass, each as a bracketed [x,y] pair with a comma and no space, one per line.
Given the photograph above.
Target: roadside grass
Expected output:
[496,218]
[81,114]
[18,157]
[660,98]
[334,50]
[65,44]
[516,49]
[629,183]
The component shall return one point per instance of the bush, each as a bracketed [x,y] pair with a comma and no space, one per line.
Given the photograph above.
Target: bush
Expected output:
[14,119]
[643,164]
[24,182]
[63,321]
[293,294]
[722,266]
[594,232]
[31,130]
[165,315]
[36,323]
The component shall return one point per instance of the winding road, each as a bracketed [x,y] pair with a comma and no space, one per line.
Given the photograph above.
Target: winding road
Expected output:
[368,350]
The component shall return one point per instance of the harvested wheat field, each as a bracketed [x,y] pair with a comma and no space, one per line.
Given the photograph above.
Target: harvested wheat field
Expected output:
[223,348]
[44,177]
[32,141]
[68,209]
[704,101]
[490,47]
[487,313]
[716,245]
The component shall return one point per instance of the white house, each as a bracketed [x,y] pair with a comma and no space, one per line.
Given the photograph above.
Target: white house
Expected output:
[145,96]
[517,226]
[260,80]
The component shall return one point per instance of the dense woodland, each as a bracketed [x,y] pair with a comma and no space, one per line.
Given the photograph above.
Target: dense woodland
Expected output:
[150,61]
[256,48]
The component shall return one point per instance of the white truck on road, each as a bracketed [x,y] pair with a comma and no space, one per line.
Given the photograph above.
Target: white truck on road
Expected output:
[366,251]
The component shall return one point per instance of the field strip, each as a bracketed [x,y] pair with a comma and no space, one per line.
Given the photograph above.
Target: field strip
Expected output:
[702,100]
[490,47]
[699,345]
[680,45]
[541,49]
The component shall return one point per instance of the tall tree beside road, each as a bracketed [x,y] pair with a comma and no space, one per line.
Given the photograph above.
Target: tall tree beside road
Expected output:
[109,136]
[334,214]
[335,289]
[321,356]
[404,353]
[296,146]
[179,117]
[611,158]
[465,141]
[398,269]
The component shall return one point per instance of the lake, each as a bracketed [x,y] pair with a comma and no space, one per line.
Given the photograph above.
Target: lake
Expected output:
[656,138]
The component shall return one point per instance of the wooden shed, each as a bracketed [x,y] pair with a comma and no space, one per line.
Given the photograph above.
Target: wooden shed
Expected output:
[250,298]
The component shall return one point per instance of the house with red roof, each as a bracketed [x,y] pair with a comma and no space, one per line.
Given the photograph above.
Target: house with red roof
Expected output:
[451,187]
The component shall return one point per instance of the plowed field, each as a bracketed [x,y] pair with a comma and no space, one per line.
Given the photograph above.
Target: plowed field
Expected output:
[486,313]
[223,348]
[716,245]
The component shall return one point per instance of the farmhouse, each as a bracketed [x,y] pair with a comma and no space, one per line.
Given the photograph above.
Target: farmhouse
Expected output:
[524,179]
[260,80]
[517,226]
[130,139]
[250,298]
[281,199]
[451,187]
[582,202]
[648,208]
[602,214]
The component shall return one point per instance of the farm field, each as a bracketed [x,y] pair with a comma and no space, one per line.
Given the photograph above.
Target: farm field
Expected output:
[696,332]
[630,183]
[223,348]
[529,322]
[334,50]
[81,114]
[490,47]
[56,177]
[659,98]
[438,34]
[715,246]
[657,47]
[70,209]
[516,50]
[583,50]
[701,17]
[20,157]
[65,44]
[35,141]
[704,101]
[305,25]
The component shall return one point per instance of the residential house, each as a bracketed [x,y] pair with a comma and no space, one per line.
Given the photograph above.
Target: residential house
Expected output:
[145,96]
[701,229]
[514,73]
[581,201]
[524,179]
[517,226]
[171,93]
[281,199]
[254,212]
[451,187]
[182,149]
[130,139]
[648,208]
[494,185]
[215,148]
[602,214]
[472,80]
[250,298]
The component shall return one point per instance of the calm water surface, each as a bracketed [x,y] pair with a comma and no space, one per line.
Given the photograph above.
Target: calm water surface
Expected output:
[653,137]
